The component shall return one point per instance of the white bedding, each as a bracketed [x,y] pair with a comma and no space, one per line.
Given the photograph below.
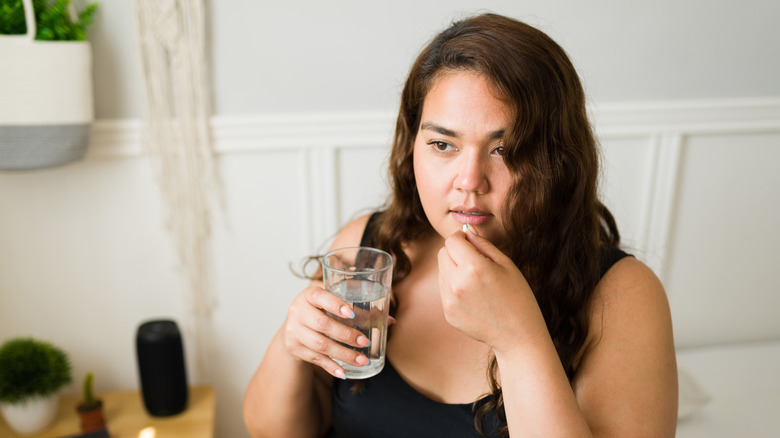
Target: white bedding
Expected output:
[743,384]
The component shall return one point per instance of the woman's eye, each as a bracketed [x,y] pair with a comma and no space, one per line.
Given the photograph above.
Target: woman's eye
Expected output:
[499,151]
[441,146]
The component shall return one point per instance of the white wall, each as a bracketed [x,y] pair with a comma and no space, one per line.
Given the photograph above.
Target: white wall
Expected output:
[305,56]
[303,100]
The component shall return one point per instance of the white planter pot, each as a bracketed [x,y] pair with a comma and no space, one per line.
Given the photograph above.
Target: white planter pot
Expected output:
[46,93]
[31,416]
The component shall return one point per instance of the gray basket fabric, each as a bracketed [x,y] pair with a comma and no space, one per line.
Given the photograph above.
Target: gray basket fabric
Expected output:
[37,146]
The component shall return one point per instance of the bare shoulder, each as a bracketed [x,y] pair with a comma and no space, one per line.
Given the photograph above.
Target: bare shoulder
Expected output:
[630,289]
[351,233]
[628,305]
[627,375]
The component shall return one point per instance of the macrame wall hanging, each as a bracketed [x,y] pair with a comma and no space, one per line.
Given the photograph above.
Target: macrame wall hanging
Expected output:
[177,136]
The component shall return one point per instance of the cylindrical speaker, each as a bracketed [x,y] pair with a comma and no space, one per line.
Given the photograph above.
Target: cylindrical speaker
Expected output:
[161,367]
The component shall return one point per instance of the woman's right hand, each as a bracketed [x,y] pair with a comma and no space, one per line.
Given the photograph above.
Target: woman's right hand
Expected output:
[311,335]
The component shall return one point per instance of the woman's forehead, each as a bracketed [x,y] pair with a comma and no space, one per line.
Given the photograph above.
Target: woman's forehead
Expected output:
[460,100]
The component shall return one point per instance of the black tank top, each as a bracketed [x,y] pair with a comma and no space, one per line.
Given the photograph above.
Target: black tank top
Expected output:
[388,407]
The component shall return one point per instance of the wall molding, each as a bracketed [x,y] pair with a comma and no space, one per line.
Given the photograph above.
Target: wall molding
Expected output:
[660,200]
[700,117]
[295,131]
[257,133]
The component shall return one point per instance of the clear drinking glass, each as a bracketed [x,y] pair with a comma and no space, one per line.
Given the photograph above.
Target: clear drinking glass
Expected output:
[362,277]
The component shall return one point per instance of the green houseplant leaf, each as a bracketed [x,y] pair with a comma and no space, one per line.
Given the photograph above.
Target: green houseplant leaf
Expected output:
[31,368]
[52,17]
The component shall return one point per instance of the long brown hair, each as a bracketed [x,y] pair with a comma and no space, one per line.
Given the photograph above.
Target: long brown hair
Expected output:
[556,226]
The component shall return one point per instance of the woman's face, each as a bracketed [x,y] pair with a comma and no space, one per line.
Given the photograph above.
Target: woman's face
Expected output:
[458,156]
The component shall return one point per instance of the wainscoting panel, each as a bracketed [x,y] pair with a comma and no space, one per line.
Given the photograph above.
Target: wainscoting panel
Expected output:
[362,180]
[723,258]
[628,171]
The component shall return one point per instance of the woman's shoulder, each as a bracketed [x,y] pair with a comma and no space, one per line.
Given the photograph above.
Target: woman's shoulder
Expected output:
[627,277]
[627,371]
[629,299]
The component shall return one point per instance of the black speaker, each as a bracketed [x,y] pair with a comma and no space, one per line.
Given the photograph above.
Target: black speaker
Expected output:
[161,367]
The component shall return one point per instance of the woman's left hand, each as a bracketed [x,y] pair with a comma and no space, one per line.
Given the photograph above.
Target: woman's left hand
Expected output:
[484,294]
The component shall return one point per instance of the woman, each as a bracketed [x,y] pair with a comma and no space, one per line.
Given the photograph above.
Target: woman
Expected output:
[531,321]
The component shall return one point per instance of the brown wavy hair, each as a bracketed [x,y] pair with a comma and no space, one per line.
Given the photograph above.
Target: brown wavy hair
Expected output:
[557,228]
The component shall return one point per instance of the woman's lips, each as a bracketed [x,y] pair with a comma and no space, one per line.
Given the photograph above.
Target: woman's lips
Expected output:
[470,216]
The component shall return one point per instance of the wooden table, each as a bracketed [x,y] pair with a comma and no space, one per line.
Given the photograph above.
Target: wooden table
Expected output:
[126,417]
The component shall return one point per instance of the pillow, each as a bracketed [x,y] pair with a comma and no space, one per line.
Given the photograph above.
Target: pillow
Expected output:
[692,396]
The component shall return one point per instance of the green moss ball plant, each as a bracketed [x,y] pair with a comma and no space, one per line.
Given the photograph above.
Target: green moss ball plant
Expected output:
[31,368]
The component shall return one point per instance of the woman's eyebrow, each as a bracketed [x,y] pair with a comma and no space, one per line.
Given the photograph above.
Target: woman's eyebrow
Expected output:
[431,126]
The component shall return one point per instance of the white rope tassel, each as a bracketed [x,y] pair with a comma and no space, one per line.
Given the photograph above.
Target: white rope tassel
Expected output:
[177,135]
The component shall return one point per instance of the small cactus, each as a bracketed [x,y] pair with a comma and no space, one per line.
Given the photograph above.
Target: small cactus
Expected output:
[90,410]
[90,402]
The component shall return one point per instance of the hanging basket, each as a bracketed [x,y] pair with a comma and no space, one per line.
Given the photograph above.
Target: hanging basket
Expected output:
[46,95]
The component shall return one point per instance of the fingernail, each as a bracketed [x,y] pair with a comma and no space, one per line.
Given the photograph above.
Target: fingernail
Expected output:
[347,312]
[341,375]
[364,341]
[391,320]
[362,360]
[465,228]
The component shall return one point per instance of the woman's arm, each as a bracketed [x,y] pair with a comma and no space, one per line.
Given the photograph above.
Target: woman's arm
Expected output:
[626,383]
[286,396]
[290,393]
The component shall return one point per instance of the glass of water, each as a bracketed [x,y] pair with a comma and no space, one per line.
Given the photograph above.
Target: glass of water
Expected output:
[362,277]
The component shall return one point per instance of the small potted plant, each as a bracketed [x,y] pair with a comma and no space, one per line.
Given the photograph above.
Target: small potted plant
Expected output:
[32,372]
[90,409]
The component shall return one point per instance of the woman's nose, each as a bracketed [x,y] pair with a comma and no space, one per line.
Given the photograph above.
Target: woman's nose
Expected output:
[472,175]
